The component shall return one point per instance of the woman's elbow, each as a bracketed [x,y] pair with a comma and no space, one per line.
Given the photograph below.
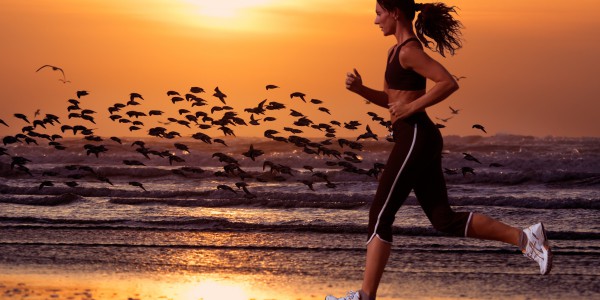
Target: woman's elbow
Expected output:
[453,86]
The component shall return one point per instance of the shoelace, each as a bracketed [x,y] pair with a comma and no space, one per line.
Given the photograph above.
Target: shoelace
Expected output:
[350,295]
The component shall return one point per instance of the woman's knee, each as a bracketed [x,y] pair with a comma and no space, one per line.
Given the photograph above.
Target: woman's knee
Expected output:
[453,223]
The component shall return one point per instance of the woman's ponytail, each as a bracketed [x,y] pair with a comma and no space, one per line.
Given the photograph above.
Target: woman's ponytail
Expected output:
[435,21]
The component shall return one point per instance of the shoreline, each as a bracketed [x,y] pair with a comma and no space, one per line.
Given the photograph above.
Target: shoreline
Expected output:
[98,281]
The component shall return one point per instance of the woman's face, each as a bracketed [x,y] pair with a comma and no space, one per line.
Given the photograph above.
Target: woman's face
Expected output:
[385,20]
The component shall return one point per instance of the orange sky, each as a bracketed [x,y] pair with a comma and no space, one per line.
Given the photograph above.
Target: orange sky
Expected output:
[530,65]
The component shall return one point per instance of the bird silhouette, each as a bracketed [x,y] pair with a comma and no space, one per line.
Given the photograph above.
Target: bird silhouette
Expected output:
[55,68]
[470,157]
[133,162]
[454,111]
[445,119]
[220,141]
[133,96]
[308,183]
[176,99]
[220,95]
[450,171]
[71,184]
[3,123]
[324,109]
[480,127]
[7,140]
[254,121]
[196,90]
[82,93]
[225,188]
[182,147]
[298,95]
[466,170]
[22,117]
[367,135]
[138,184]
[45,183]
[457,78]
[270,86]
[253,153]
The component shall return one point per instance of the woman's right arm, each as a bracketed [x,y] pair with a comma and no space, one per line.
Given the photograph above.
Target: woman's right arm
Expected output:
[354,84]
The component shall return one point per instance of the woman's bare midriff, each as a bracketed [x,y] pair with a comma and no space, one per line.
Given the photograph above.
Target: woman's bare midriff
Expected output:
[402,97]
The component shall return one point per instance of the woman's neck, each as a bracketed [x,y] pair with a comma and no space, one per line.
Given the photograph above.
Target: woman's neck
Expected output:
[404,33]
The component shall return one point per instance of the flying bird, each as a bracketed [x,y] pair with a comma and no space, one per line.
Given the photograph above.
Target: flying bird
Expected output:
[367,135]
[225,188]
[466,170]
[71,184]
[135,95]
[116,139]
[470,157]
[55,68]
[299,95]
[22,117]
[454,111]
[45,183]
[445,119]
[138,184]
[480,127]
[82,93]
[196,90]
[253,153]
[324,109]
[308,183]
[220,95]
[457,78]
[271,86]
[220,141]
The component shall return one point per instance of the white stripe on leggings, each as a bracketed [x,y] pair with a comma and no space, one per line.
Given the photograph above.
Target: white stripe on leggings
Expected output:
[468,222]
[393,185]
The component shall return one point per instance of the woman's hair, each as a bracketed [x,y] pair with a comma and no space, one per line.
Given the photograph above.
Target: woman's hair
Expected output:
[434,21]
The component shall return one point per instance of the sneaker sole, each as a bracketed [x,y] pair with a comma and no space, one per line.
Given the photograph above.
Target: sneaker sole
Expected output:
[549,255]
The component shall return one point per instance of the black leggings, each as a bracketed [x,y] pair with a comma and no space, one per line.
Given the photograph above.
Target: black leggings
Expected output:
[415,163]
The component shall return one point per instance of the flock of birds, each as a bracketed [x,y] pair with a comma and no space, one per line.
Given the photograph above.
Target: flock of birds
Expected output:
[223,118]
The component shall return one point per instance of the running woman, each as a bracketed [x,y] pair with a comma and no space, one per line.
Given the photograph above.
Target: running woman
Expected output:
[414,163]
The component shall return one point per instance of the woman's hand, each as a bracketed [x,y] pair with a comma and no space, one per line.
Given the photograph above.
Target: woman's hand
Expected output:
[354,81]
[400,110]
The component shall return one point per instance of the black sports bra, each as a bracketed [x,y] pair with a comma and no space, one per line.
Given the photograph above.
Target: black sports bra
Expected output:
[399,78]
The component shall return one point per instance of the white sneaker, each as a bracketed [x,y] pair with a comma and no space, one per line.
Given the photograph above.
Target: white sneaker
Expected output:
[350,296]
[538,248]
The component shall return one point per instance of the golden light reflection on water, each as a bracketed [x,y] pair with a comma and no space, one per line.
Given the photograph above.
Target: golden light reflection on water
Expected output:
[216,290]
[138,286]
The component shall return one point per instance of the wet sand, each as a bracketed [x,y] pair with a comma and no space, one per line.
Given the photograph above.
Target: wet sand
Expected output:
[49,282]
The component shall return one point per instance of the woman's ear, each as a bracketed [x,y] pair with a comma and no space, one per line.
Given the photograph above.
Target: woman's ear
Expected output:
[396,14]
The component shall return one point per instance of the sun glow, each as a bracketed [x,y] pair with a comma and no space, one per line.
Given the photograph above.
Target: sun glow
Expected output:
[216,290]
[226,9]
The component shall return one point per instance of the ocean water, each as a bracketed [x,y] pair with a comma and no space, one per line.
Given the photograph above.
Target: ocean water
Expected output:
[182,221]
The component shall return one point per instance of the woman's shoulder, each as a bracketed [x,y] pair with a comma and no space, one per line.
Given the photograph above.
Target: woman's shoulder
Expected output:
[410,51]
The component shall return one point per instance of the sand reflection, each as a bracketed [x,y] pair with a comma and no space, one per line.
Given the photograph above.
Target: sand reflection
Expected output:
[212,289]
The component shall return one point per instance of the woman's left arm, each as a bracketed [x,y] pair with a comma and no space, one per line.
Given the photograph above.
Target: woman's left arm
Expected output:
[416,59]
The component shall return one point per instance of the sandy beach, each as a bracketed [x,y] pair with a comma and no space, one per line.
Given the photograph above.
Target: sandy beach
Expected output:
[184,239]
[513,279]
